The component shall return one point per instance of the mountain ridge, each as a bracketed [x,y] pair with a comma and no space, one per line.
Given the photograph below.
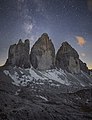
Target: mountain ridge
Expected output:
[42,54]
[59,90]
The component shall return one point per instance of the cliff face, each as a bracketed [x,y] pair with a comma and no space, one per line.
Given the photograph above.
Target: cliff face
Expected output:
[43,53]
[67,58]
[18,54]
[42,56]
[83,67]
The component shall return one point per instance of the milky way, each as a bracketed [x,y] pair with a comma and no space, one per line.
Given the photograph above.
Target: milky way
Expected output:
[63,20]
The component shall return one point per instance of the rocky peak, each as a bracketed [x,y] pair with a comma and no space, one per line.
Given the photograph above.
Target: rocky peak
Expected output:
[43,53]
[42,56]
[18,54]
[66,44]
[67,48]
[44,35]
[67,58]
[20,41]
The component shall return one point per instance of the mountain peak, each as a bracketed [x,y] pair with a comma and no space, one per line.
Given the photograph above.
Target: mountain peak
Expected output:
[18,54]
[20,41]
[67,58]
[65,43]
[43,53]
[44,35]
[42,56]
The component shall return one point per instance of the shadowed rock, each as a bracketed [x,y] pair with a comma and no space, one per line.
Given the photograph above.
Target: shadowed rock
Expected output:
[18,54]
[83,67]
[90,72]
[67,58]
[43,53]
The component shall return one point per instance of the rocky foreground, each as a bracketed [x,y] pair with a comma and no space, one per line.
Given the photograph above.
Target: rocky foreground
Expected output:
[43,99]
[39,85]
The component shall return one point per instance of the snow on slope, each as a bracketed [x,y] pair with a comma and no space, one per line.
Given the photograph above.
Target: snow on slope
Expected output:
[25,76]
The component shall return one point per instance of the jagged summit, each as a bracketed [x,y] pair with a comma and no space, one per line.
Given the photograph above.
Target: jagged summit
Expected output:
[66,43]
[44,35]
[18,54]
[42,56]
[43,53]
[20,41]
[67,48]
[67,58]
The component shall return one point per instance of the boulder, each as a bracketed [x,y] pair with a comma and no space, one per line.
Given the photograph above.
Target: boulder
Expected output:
[67,58]
[18,54]
[43,53]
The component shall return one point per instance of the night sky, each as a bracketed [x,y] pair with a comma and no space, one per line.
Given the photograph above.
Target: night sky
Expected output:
[63,20]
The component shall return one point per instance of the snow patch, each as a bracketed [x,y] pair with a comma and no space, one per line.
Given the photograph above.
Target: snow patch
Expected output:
[17,92]
[6,72]
[54,77]
[42,97]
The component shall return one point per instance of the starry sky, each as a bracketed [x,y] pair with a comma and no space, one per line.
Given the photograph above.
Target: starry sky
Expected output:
[63,20]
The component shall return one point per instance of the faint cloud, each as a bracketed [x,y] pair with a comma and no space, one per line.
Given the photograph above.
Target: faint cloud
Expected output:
[23,12]
[28,28]
[80,40]
[83,54]
[89,3]
[28,24]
